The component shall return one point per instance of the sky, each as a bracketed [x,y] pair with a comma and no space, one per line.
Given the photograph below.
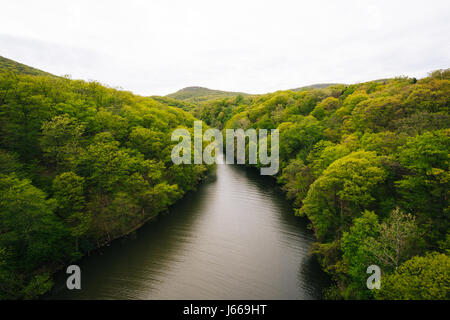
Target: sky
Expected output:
[157,47]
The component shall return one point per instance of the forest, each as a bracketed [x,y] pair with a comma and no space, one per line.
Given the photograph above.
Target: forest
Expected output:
[80,165]
[367,164]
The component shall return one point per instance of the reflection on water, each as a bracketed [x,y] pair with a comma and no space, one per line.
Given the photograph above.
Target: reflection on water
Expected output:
[235,238]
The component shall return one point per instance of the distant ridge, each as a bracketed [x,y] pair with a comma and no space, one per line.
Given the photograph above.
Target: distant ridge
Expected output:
[11,65]
[196,94]
[316,86]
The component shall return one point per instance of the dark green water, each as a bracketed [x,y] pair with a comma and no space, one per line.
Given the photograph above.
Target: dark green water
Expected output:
[235,238]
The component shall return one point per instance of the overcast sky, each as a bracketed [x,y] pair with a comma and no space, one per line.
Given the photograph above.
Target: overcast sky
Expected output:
[160,46]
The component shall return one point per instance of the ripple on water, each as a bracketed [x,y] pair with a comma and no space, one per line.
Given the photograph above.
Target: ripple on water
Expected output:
[235,238]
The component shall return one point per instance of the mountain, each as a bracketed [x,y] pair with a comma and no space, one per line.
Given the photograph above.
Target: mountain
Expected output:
[315,86]
[19,68]
[197,94]
[200,94]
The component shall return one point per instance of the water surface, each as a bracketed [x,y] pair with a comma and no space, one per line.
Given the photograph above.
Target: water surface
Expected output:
[234,238]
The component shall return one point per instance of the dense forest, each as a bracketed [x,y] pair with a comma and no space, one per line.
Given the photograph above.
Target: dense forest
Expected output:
[368,165]
[80,165]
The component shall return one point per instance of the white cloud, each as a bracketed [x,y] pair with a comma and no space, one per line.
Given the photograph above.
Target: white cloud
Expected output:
[157,47]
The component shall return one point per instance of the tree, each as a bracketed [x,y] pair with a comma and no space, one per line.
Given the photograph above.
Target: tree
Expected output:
[149,142]
[397,240]
[68,191]
[29,231]
[299,138]
[102,154]
[345,188]
[324,154]
[9,163]
[296,179]
[354,248]
[425,186]
[61,140]
[420,278]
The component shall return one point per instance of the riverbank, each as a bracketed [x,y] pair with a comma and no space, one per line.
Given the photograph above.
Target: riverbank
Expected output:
[61,267]
[235,238]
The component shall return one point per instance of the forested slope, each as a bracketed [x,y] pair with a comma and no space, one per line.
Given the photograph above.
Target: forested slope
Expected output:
[199,94]
[16,67]
[80,165]
[368,165]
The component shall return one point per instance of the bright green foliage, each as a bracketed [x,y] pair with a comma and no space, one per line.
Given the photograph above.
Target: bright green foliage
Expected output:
[80,165]
[354,249]
[27,222]
[349,156]
[61,139]
[198,94]
[384,143]
[425,189]
[149,142]
[421,278]
[298,136]
[296,179]
[324,154]
[90,163]
[30,235]
[344,189]
[8,65]
[68,190]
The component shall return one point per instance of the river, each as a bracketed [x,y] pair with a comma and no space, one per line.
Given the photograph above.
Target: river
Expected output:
[234,238]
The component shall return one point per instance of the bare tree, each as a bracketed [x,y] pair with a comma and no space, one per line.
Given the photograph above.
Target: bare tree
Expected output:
[396,240]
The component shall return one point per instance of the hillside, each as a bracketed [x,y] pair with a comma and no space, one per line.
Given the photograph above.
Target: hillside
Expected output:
[185,105]
[315,86]
[19,68]
[198,94]
[80,165]
[368,165]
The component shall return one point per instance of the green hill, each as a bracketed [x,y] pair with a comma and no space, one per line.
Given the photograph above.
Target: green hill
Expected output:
[80,165]
[315,86]
[368,165]
[198,94]
[11,65]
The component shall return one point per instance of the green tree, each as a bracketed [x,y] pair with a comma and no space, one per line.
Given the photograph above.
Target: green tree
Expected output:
[355,252]
[149,142]
[420,278]
[61,140]
[29,229]
[425,186]
[345,188]
[68,190]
